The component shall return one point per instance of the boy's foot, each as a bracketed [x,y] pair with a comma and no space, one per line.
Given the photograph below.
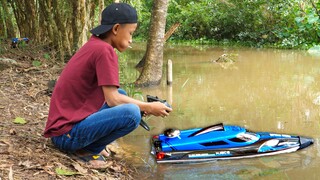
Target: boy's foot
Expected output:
[95,161]
[106,152]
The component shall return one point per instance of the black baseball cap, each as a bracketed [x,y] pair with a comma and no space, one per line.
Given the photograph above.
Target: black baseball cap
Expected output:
[121,13]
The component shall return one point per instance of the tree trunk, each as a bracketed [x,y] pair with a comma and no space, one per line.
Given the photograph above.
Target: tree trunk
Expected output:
[31,17]
[172,29]
[152,71]
[101,8]
[49,28]
[3,32]
[26,17]
[83,20]
[60,18]
[8,29]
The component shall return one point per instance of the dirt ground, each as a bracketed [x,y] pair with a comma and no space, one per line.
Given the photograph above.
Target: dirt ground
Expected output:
[25,95]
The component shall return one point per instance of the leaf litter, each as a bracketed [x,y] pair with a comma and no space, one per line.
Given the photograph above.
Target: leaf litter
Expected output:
[24,104]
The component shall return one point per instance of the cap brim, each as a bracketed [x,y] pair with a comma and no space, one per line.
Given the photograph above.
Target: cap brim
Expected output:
[101,29]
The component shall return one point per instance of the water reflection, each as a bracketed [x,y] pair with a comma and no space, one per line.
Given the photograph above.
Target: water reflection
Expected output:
[236,169]
[269,90]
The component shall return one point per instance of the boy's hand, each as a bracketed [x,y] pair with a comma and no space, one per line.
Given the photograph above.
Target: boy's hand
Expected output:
[159,109]
[156,107]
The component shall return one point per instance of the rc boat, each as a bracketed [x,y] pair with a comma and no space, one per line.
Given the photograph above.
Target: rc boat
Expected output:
[222,142]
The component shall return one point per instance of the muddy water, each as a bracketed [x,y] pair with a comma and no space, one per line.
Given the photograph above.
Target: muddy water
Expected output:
[263,90]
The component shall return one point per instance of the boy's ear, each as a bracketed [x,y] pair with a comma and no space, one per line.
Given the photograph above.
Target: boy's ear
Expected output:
[115,28]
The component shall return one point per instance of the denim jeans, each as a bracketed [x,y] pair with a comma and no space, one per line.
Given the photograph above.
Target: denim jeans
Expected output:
[100,128]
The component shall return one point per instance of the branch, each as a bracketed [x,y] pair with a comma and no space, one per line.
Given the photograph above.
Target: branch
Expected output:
[315,7]
[171,31]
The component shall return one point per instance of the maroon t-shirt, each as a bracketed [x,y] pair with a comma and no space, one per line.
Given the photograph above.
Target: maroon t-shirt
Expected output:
[78,92]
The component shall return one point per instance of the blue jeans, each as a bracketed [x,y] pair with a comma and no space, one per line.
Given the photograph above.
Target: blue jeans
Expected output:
[100,128]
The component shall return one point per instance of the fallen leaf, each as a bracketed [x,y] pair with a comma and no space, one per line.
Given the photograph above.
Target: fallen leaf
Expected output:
[5,165]
[47,169]
[26,164]
[4,143]
[11,174]
[19,120]
[116,168]
[64,172]
[12,132]
[79,168]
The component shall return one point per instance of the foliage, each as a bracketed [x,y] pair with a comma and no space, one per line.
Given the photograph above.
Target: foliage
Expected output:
[315,50]
[300,25]
[128,76]
[278,23]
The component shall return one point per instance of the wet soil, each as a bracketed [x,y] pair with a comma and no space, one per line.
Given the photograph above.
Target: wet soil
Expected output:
[25,94]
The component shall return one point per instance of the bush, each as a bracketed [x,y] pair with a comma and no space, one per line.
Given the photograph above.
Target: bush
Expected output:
[287,24]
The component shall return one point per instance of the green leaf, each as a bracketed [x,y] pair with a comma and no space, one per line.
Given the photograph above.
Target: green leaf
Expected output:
[46,56]
[299,19]
[36,63]
[138,95]
[19,120]
[312,19]
[64,172]
[314,51]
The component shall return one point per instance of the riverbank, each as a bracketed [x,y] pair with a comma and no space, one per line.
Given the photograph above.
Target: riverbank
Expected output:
[24,103]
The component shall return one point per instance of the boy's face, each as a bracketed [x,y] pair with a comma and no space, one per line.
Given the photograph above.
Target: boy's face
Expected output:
[123,36]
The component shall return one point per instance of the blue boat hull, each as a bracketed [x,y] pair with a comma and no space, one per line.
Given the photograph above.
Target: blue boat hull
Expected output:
[220,142]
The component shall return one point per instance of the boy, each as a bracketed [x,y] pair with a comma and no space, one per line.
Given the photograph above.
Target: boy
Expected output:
[87,110]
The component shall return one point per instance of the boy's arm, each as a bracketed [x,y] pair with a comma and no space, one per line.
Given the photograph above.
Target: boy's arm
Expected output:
[114,98]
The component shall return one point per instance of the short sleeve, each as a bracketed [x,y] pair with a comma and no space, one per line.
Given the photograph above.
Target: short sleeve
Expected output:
[107,67]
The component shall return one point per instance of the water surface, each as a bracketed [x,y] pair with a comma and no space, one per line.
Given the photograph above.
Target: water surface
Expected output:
[264,90]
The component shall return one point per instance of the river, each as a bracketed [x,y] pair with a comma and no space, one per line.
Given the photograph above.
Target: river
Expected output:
[263,90]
